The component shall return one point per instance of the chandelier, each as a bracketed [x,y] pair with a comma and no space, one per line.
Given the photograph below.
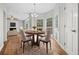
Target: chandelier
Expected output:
[12,18]
[34,14]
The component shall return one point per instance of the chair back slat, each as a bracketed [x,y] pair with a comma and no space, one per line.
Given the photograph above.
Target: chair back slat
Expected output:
[22,35]
[48,35]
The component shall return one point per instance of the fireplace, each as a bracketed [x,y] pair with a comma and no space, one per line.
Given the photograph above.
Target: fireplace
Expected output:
[11,29]
[12,26]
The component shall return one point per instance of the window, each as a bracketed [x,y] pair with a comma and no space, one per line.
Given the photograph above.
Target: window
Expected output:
[40,23]
[26,26]
[49,22]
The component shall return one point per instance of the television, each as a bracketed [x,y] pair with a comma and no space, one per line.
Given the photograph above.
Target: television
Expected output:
[12,24]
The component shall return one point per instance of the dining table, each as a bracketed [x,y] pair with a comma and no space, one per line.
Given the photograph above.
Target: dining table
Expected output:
[35,34]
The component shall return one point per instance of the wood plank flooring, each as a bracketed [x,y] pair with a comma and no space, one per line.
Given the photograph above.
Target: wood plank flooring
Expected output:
[13,48]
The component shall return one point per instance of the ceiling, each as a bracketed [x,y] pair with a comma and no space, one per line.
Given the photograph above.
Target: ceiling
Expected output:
[25,8]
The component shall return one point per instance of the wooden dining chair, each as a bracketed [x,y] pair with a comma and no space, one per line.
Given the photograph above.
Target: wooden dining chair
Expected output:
[24,39]
[46,39]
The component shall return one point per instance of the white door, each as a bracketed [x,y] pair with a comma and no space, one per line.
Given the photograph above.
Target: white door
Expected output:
[71,28]
[75,28]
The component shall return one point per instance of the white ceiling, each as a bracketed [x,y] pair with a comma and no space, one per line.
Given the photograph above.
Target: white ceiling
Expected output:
[25,8]
[28,7]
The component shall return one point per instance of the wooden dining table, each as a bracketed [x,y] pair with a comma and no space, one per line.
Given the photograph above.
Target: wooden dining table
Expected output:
[33,33]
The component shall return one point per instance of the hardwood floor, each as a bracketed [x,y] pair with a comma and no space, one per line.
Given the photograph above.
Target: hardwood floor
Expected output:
[12,47]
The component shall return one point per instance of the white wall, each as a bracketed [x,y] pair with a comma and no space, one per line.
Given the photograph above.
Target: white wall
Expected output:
[56,17]
[78,28]
[5,25]
[61,24]
[1,27]
[26,22]
[20,24]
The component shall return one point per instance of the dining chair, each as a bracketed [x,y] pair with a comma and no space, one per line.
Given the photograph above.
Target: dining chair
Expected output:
[24,39]
[46,39]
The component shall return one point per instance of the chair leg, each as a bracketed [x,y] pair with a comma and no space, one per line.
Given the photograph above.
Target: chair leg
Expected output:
[32,44]
[50,45]
[28,43]
[23,46]
[43,42]
[47,48]
[39,44]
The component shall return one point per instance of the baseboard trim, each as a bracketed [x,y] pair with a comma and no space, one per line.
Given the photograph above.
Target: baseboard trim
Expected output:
[1,47]
[61,46]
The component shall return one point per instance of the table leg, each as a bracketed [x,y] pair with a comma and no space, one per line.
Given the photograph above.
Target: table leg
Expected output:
[37,40]
[33,40]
